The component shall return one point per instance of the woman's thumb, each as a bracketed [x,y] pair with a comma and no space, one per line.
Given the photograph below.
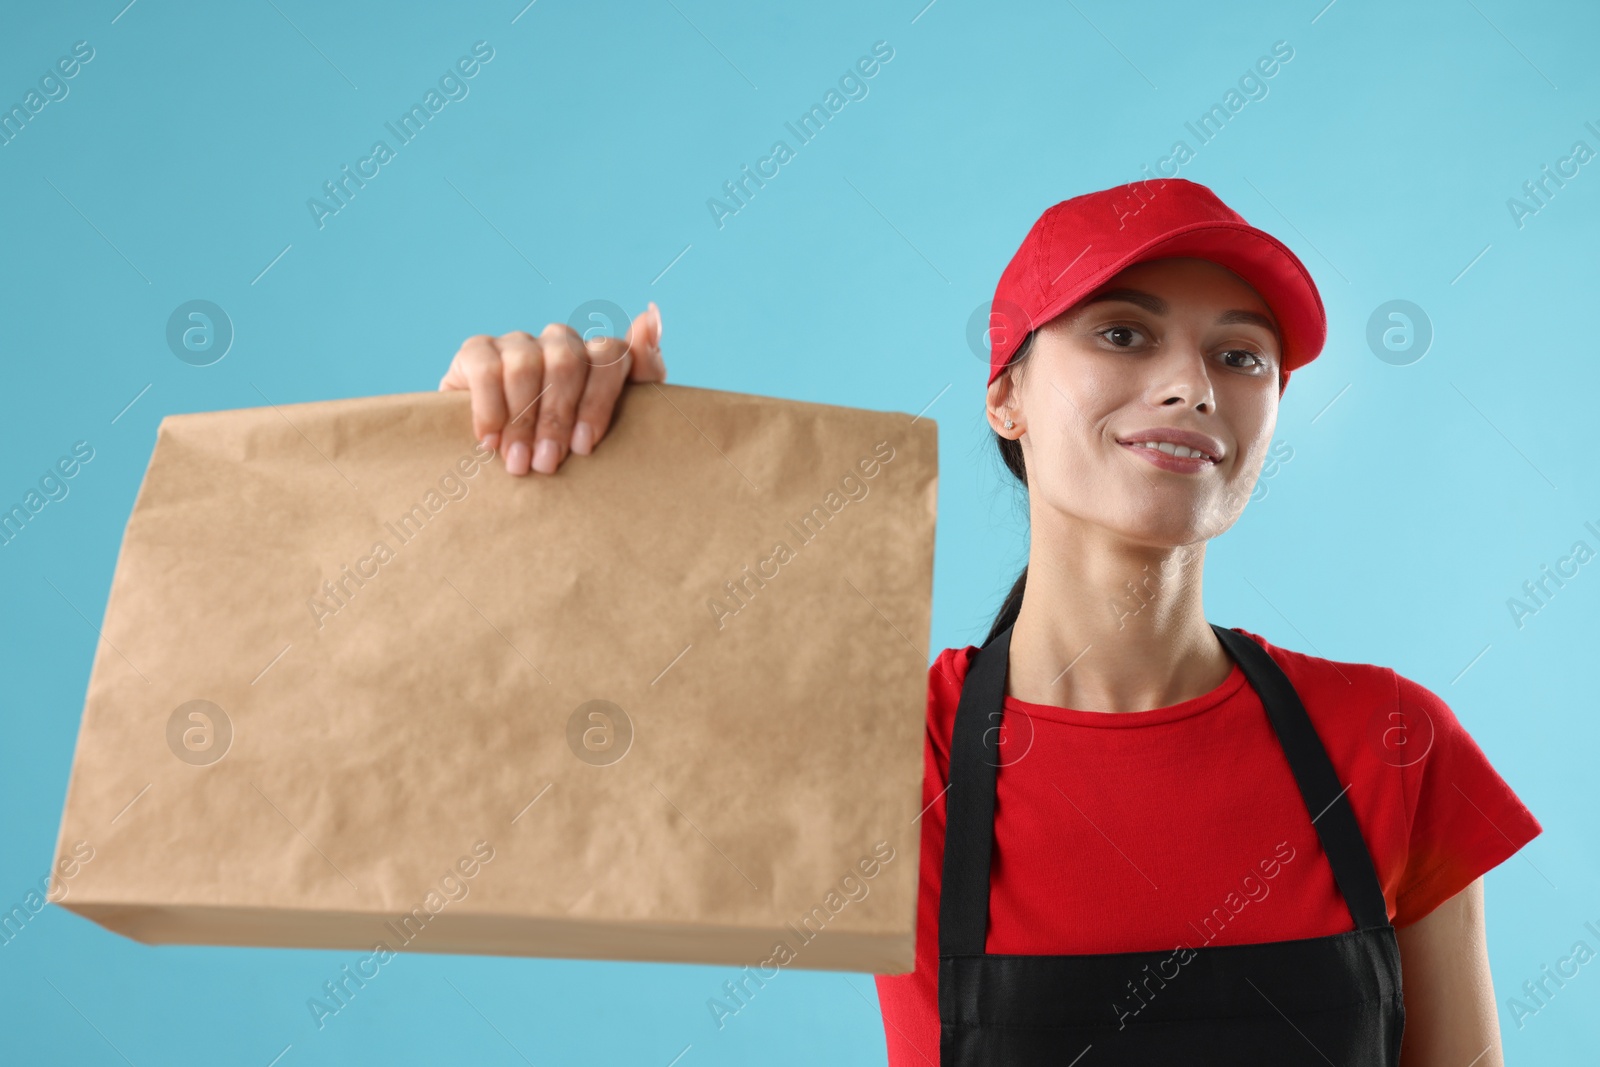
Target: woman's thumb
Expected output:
[644,342]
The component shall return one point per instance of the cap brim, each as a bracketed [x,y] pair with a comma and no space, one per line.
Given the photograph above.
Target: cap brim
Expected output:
[1254,255]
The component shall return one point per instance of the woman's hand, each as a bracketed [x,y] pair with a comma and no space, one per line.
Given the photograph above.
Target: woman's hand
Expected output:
[536,398]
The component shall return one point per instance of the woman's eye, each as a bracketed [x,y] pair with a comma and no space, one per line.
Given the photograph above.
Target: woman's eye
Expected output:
[1260,361]
[1120,336]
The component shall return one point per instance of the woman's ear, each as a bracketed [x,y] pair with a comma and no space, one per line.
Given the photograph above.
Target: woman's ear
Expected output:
[1004,407]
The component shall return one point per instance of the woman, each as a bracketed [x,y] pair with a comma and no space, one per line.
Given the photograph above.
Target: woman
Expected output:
[1186,844]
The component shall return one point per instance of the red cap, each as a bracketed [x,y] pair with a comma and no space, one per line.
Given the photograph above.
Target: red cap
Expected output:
[1078,245]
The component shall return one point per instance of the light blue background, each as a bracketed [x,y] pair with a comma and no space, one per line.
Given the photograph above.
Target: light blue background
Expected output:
[1418,500]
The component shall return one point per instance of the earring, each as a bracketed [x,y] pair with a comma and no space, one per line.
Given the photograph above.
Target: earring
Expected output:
[1009,424]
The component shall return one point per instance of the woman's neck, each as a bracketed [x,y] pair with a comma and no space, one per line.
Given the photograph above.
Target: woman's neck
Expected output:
[1114,627]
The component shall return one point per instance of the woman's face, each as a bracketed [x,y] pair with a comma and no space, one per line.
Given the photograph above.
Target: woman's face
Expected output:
[1170,344]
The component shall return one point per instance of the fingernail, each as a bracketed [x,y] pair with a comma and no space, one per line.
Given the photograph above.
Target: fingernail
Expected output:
[659,327]
[545,455]
[582,439]
[490,442]
[517,458]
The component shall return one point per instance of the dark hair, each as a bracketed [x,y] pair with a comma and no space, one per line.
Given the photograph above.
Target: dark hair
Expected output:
[1011,456]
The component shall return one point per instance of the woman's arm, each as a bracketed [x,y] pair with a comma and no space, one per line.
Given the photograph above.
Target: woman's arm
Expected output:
[1451,1019]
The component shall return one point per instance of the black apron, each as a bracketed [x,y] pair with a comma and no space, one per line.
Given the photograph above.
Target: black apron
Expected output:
[1313,1001]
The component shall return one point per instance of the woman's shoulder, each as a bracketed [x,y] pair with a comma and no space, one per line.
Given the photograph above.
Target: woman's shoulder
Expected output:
[1347,678]
[946,674]
[1365,712]
[949,668]
[1386,708]
[1435,811]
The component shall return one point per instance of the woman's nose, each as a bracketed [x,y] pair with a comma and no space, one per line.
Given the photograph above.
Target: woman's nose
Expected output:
[1181,377]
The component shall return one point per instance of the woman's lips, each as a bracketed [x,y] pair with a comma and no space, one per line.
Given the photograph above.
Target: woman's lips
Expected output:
[1177,464]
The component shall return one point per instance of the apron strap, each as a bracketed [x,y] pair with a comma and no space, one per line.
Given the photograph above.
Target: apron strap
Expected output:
[969,805]
[974,762]
[1325,799]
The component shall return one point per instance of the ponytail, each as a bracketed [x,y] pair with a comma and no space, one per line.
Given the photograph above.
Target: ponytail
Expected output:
[1010,608]
[1011,456]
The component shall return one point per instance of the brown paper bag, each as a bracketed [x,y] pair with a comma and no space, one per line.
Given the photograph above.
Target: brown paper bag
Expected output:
[358,689]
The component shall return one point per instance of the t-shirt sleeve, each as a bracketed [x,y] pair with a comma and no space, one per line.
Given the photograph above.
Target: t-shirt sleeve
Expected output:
[1464,819]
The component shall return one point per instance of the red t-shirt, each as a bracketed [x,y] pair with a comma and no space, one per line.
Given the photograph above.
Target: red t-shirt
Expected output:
[1183,825]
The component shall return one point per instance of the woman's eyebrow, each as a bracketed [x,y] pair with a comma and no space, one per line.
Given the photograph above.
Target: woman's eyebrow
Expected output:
[1149,301]
[1252,318]
[1157,306]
